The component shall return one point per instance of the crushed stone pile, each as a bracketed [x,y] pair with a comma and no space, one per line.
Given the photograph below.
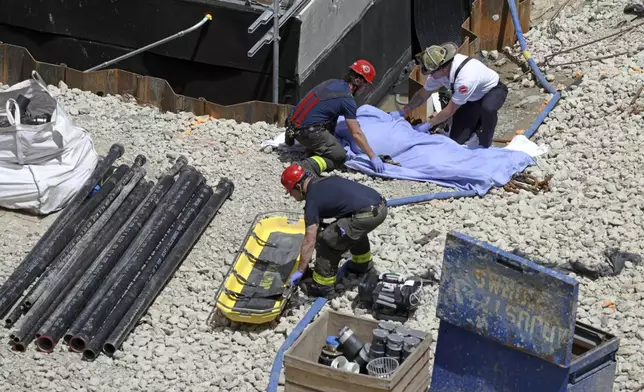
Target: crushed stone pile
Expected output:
[595,203]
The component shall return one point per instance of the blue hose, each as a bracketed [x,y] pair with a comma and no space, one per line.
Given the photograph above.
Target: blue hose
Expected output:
[429,196]
[537,72]
[277,365]
[319,303]
[528,133]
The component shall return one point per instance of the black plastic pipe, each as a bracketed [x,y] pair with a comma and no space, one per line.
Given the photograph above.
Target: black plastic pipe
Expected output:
[14,315]
[34,264]
[223,190]
[67,237]
[66,217]
[59,321]
[80,219]
[21,343]
[115,250]
[184,220]
[54,327]
[136,255]
[74,265]
[112,188]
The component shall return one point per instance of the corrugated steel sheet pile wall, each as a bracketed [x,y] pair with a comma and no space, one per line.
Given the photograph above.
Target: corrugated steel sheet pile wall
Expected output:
[103,261]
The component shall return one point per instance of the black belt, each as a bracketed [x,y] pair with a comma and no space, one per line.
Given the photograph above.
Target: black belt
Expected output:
[327,125]
[372,209]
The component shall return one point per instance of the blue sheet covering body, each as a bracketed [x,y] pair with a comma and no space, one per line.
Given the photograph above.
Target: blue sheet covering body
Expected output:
[426,157]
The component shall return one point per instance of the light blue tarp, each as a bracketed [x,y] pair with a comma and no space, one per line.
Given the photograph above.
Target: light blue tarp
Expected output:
[426,157]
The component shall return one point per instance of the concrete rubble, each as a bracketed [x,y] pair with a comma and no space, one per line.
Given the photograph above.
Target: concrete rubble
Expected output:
[596,202]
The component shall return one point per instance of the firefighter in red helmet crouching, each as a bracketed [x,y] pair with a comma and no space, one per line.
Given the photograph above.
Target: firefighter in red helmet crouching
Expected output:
[312,121]
[358,210]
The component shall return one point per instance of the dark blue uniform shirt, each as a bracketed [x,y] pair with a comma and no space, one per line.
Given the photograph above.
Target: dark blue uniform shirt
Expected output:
[331,109]
[334,197]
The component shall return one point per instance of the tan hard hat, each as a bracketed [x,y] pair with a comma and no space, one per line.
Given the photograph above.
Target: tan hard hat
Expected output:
[435,56]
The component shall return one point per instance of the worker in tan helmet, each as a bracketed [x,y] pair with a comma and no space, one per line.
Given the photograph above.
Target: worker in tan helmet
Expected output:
[477,93]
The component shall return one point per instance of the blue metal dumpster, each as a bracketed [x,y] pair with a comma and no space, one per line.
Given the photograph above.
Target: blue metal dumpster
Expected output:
[508,325]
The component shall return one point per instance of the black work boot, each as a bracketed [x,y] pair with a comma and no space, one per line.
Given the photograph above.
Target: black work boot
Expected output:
[359,268]
[313,289]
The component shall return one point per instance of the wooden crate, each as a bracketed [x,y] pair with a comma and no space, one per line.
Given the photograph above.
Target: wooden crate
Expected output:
[304,374]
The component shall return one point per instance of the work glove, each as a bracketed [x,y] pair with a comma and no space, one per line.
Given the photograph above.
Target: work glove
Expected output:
[377,164]
[295,278]
[397,114]
[423,128]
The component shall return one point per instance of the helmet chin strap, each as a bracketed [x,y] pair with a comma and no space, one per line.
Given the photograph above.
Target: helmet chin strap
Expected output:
[302,181]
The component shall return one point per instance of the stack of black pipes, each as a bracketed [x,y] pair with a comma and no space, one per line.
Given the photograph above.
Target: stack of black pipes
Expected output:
[103,261]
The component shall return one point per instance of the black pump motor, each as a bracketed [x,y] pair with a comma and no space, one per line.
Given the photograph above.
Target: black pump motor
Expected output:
[390,296]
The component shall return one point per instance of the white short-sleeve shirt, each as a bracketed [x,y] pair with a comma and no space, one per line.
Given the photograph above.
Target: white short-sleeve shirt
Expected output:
[474,80]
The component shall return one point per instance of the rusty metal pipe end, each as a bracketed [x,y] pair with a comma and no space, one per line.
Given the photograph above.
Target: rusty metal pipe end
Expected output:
[78,344]
[45,344]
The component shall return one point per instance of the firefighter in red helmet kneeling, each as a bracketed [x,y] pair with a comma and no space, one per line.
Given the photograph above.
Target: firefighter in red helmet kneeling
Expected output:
[313,120]
[358,210]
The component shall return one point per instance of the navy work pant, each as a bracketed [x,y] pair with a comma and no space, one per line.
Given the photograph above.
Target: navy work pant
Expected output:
[479,116]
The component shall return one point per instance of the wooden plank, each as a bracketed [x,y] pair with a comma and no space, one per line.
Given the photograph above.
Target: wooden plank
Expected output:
[296,388]
[418,367]
[423,384]
[524,9]
[304,352]
[303,371]
[417,355]
[492,23]
[332,380]
[303,347]
[416,82]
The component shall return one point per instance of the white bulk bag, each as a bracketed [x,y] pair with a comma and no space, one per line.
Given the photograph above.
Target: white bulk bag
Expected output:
[41,166]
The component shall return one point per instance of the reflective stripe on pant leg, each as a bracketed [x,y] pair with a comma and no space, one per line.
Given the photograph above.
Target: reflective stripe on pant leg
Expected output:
[325,271]
[361,259]
[334,153]
[323,280]
[320,162]
[329,252]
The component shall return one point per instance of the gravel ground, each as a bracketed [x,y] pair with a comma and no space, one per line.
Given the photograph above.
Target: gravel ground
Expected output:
[596,202]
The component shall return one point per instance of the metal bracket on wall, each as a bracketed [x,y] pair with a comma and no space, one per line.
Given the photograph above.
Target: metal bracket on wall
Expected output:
[263,19]
[273,36]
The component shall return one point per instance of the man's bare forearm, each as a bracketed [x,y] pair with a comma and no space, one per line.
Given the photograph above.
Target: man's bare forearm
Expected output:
[360,138]
[439,118]
[361,141]
[418,99]
[308,245]
[444,114]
